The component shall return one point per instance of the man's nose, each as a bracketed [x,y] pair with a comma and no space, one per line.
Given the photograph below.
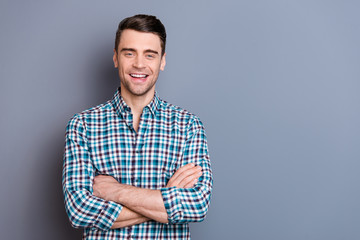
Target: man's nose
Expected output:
[139,62]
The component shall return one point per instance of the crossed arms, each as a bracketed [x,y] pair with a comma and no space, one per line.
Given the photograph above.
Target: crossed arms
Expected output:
[139,204]
[103,203]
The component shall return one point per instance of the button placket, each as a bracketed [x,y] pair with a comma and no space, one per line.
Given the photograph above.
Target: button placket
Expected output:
[144,118]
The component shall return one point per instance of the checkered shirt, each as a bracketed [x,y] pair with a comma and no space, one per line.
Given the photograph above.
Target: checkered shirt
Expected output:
[102,140]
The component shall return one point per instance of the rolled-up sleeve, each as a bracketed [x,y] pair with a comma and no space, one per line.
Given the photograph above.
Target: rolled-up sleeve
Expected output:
[84,210]
[191,204]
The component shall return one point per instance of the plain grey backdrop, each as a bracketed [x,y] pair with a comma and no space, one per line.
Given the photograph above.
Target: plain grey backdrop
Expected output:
[276,84]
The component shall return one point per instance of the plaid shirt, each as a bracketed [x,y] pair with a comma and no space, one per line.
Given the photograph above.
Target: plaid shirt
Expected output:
[102,140]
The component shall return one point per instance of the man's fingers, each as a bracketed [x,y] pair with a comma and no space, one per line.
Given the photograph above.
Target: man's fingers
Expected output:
[182,169]
[191,184]
[190,180]
[174,179]
[188,172]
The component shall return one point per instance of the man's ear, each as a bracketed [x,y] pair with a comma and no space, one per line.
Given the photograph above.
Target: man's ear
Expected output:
[115,59]
[163,62]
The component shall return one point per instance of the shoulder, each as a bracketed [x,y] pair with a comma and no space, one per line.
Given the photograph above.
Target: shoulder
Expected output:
[179,115]
[91,115]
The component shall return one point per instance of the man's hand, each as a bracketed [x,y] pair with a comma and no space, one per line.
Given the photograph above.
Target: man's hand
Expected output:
[185,177]
[106,187]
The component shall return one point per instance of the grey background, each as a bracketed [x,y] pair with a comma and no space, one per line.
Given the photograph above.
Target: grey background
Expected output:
[276,84]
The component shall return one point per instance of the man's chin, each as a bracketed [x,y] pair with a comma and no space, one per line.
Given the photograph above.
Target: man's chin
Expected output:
[140,92]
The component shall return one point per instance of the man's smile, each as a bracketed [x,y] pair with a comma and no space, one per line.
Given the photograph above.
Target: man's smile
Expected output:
[138,76]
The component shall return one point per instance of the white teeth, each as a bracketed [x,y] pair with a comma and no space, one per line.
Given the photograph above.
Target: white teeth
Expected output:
[138,75]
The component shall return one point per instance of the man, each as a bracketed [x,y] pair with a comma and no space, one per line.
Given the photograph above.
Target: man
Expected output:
[136,167]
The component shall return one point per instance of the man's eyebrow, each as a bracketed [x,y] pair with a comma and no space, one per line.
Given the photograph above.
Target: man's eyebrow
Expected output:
[133,50]
[151,51]
[128,49]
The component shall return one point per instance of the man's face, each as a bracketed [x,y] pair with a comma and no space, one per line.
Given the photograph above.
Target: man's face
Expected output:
[139,62]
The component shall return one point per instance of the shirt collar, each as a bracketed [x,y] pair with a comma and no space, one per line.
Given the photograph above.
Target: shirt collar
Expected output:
[154,104]
[123,109]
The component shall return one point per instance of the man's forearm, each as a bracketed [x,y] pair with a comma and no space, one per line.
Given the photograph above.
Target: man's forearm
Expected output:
[146,202]
[127,223]
[127,218]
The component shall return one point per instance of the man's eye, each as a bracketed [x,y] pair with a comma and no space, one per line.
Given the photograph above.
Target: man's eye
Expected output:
[128,54]
[150,56]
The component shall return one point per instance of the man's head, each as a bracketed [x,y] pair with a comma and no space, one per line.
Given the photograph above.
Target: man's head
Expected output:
[142,23]
[139,55]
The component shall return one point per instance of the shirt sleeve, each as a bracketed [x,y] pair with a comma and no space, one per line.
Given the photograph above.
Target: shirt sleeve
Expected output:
[84,209]
[191,204]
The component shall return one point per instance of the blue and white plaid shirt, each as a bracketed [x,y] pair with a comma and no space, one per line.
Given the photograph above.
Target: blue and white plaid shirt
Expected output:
[102,140]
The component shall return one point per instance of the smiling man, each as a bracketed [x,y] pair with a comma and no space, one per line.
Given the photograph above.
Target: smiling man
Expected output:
[136,167]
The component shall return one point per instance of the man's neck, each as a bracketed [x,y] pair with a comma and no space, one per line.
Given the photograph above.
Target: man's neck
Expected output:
[137,103]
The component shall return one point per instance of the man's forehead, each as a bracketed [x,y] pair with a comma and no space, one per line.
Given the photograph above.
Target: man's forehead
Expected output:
[139,40]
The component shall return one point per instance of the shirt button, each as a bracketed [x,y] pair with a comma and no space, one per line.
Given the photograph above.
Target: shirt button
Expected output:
[138,151]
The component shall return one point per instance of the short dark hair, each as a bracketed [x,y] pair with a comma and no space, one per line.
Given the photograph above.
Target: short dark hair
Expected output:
[142,23]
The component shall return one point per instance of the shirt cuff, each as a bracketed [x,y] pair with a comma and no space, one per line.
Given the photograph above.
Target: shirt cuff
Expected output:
[172,204]
[107,216]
